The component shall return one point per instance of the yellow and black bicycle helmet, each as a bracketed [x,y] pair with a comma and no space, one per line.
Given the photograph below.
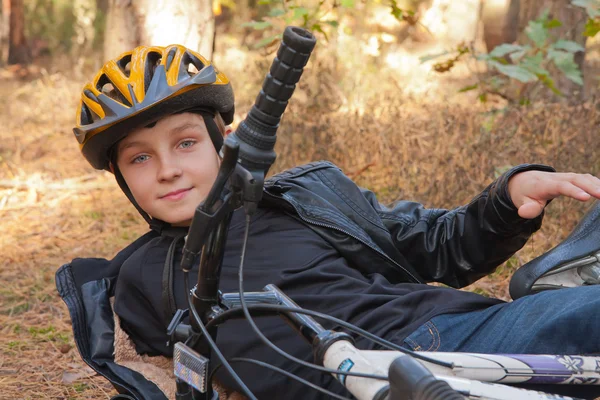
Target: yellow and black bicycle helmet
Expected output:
[140,87]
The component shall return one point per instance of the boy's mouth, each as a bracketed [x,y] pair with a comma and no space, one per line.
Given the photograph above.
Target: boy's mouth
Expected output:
[175,195]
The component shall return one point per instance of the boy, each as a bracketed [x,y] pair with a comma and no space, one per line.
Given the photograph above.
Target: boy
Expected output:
[326,243]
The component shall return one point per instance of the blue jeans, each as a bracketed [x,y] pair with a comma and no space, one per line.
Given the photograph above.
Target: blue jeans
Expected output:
[565,321]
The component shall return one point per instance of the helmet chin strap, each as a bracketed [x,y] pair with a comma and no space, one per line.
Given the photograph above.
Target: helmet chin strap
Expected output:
[216,136]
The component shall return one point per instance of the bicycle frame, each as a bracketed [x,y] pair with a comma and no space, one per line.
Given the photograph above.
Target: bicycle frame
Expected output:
[481,376]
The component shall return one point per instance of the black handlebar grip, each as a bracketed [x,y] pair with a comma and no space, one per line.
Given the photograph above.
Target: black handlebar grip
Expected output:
[256,135]
[410,380]
[286,70]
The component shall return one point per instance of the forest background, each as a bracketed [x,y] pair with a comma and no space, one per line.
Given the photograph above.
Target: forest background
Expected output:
[427,100]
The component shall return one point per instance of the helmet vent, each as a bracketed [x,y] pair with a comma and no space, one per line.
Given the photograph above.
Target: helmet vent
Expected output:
[170,57]
[192,70]
[90,95]
[153,60]
[190,65]
[105,86]
[107,89]
[94,116]
[86,115]
[125,65]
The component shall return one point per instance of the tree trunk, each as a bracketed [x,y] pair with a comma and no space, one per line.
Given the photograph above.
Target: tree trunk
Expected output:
[573,21]
[159,22]
[18,52]
[500,22]
[121,33]
[4,24]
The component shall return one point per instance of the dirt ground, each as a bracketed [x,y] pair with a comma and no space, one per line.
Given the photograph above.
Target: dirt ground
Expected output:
[428,147]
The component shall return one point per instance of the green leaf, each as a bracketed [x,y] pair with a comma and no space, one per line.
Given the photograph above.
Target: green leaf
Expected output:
[429,57]
[518,55]
[514,71]
[524,101]
[276,12]
[504,49]
[566,63]
[500,60]
[258,25]
[537,33]
[483,97]
[300,12]
[317,27]
[553,23]
[397,13]
[468,88]
[267,41]
[592,27]
[568,45]
[347,3]
[395,10]
[333,23]
[533,64]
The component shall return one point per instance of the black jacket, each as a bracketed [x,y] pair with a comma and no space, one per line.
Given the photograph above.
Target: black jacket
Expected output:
[413,245]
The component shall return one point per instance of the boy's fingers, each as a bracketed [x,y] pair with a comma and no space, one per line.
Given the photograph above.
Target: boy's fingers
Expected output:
[571,187]
[588,183]
[574,191]
[555,188]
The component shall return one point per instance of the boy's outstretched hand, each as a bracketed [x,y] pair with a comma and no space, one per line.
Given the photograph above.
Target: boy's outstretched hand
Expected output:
[531,190]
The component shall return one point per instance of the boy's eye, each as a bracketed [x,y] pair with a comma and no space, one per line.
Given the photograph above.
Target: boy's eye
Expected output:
[186,143]
[140,159]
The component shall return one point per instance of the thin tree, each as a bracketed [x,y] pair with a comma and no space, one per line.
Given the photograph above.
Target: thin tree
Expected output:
[500,22]
[16,49]
[4,24]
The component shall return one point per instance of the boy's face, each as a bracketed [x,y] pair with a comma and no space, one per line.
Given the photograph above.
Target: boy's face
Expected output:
[169,167]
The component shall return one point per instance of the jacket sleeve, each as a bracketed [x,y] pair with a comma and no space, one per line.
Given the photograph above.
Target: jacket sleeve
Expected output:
[457,247]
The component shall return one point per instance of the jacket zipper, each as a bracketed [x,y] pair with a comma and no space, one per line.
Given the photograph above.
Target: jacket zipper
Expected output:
[324,225]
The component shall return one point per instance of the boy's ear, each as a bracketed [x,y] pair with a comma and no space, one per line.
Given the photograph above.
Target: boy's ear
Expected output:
[111,167]
[228,130]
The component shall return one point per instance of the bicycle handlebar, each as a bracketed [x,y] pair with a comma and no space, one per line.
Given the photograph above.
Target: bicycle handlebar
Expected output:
[409,379]
[256,134]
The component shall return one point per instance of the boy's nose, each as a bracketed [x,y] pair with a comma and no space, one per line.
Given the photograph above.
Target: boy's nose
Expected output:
[169,169]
